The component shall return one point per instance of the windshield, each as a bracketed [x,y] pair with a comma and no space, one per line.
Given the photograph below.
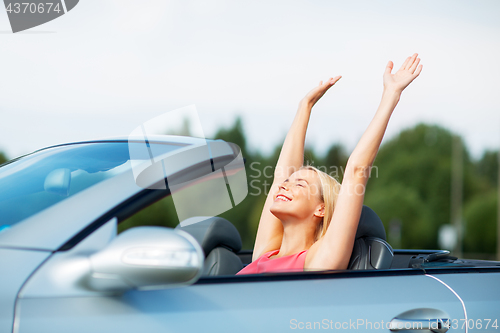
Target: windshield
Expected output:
[37,181]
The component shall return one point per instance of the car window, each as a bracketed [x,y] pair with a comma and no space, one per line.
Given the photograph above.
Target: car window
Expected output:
[37,181]
[161,213]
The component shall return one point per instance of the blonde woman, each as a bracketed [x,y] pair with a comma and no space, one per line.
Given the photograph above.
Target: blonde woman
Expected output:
[309,220]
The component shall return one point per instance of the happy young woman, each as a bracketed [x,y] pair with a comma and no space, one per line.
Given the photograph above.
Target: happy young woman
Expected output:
[309,220]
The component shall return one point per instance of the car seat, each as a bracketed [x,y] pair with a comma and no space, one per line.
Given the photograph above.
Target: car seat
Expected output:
[220,240]
[370,251]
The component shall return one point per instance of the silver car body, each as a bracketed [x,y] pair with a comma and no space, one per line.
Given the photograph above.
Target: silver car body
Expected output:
[43,259]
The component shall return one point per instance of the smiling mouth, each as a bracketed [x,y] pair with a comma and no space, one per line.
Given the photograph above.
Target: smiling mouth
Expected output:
[282,198]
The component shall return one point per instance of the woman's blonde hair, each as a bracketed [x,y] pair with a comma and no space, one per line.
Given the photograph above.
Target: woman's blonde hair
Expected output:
[329,192]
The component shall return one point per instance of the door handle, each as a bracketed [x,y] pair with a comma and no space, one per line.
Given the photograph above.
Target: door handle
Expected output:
[438,325]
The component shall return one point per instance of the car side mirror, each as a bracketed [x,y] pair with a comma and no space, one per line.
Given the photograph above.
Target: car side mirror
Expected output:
[146,258]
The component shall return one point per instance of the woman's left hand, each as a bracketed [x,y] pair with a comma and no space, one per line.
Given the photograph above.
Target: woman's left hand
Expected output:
[315,94]
[404,76]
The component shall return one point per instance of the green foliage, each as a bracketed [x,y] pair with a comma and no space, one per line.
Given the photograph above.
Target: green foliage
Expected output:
[397,203]
[480,215]
[413,183]
[335,160]
[161,213]
[487,167]
[234,134]
[3,158]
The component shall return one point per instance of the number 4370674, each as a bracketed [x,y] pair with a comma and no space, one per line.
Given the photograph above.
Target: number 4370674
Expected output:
[26,7]
[475,324]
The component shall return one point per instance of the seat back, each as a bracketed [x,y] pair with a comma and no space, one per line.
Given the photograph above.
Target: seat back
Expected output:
[220,240]
[370,251]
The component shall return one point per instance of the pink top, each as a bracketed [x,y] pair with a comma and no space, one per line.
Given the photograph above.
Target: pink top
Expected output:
[291,263]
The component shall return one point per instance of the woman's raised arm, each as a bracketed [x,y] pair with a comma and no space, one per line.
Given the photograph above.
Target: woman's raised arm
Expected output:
[270,230]
[333,251]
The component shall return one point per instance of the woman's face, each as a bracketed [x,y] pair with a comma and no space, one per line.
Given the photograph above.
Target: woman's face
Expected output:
[299,196]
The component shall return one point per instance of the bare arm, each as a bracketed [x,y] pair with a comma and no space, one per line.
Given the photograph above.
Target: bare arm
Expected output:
[270,230]
[333,251]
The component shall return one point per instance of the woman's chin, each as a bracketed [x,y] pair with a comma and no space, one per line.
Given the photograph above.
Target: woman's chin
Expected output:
[277,210]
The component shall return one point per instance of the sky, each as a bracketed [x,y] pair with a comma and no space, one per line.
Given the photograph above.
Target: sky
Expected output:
[108,66]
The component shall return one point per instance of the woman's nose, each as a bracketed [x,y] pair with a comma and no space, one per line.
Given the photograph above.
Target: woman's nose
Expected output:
[282,186]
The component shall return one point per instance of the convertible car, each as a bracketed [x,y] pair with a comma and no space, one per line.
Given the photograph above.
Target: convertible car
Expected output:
[65,268]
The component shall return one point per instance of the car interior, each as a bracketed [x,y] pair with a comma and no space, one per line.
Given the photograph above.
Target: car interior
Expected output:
[221,242]
[224,256]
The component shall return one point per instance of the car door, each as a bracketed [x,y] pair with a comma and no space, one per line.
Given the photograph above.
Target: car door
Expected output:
[360,300]
[365,303]
[479,290]
[16,265]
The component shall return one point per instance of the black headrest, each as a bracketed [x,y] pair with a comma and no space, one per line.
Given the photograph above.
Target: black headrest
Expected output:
[214,232]
[370,225]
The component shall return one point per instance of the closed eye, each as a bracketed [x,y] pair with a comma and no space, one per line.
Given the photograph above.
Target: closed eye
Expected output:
[301,182]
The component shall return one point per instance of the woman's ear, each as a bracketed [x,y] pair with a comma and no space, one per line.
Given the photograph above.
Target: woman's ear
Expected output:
[320,210]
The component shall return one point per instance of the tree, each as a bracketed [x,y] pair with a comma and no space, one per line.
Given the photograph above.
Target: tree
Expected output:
[234,134]
[3,158]
[487,167]
[413,183]
[336,160]
[480,215]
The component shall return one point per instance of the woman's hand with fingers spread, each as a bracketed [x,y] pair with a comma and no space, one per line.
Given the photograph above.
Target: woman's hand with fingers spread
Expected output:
[404,76]
[315,94]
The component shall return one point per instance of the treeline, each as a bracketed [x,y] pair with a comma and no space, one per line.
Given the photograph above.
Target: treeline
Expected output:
[3,158]
[410,187]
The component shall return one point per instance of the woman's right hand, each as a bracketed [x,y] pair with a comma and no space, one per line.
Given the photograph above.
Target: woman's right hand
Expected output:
[315,94]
